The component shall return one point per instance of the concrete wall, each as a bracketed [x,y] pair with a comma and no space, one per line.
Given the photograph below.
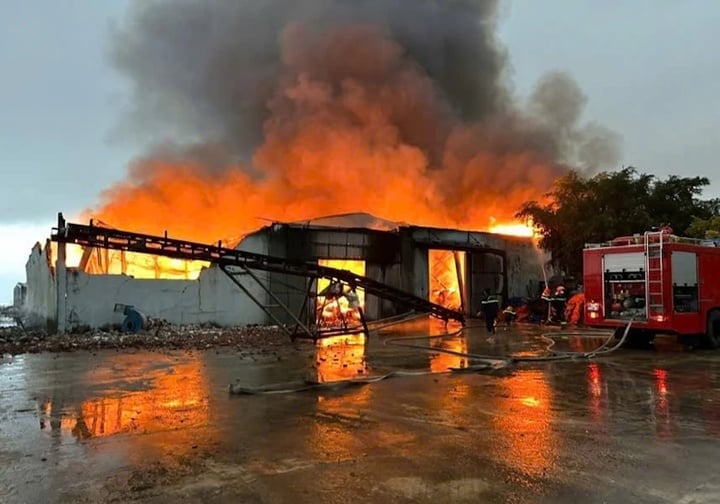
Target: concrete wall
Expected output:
[20,295]
[41,301]
[212,298]
[454,239]
[421,273]
[90,299]
[389,274]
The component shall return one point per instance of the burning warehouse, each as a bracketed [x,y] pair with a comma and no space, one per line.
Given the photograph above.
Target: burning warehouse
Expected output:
[284,111]
[447,267]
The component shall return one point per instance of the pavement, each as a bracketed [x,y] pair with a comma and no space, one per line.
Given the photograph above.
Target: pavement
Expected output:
[638,425]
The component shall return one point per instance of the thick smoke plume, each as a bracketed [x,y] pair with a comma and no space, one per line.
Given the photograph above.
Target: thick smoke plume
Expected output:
[289,110]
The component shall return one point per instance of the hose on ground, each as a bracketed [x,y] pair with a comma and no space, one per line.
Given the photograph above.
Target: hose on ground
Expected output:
[565,355]
[480,362]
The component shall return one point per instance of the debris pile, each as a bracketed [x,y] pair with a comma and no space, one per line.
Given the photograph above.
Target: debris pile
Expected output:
[14,340]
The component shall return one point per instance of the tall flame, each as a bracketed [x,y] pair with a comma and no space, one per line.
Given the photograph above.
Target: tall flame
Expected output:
[364,107]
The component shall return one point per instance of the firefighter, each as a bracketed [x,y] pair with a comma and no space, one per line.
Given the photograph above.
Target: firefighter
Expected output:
[508,316]
[558,302]
[490,306]
[547,298]
[353,299]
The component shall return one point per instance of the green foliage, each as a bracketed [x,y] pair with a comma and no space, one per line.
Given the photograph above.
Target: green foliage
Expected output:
[611,204]
[705,228]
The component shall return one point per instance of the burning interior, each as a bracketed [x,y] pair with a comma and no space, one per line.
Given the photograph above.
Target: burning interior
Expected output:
[97,261]
[447,278]
[338,306]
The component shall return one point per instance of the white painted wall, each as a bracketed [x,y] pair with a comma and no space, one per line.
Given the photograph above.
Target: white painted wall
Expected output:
[90,299]
[211,298]
[41,301]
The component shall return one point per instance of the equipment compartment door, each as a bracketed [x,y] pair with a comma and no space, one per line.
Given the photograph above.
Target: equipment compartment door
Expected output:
[624,280]
[684,282]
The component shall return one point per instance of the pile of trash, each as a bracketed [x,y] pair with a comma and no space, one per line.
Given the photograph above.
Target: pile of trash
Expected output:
[15,340]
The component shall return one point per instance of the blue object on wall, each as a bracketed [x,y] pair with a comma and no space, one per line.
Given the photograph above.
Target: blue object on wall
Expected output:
[135,320]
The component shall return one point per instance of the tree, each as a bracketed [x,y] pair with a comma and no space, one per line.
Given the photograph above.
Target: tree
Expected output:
[676,201]
[611,204]
[705,228]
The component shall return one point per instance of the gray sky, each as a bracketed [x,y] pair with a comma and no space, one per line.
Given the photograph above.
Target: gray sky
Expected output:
[647,67]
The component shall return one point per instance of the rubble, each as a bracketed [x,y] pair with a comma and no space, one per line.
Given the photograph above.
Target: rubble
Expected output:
[15,340]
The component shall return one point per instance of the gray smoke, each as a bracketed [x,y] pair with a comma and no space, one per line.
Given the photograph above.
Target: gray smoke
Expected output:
[557,103]
[409,92]
[204,70]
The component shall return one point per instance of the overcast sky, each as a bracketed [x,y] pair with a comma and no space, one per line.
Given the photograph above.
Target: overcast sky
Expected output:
[649,68]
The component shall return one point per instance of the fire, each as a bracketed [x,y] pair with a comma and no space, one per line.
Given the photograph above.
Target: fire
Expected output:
[515,229]
[362,128]
[343,309]
[144,266]
[447,278]
[353,124]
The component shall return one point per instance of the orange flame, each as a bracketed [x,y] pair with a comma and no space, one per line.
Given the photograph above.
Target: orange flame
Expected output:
[336,311]
[354,125]
[447,274]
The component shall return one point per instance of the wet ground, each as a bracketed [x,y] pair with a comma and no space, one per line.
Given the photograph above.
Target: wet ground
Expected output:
[117,426]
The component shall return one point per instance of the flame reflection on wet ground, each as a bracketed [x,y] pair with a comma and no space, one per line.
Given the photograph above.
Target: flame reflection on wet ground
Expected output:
[69,421]
[133,393]
[339,358]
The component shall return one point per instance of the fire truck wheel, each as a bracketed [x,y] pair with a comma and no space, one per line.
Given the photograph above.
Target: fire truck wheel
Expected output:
[712,333]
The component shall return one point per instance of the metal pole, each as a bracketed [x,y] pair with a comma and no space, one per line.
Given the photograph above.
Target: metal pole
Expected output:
[255,300]
[305,303]
[280,303]
[364,324]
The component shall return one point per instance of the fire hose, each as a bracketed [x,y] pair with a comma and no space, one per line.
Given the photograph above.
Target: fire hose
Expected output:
[479,362]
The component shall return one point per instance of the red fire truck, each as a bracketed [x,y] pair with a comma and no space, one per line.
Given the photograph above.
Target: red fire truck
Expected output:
[664,283]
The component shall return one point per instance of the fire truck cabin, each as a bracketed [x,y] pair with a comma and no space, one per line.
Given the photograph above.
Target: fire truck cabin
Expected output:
[662,282]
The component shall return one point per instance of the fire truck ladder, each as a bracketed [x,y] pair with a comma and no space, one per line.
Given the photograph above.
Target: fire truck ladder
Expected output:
[654,288]
[234,262]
